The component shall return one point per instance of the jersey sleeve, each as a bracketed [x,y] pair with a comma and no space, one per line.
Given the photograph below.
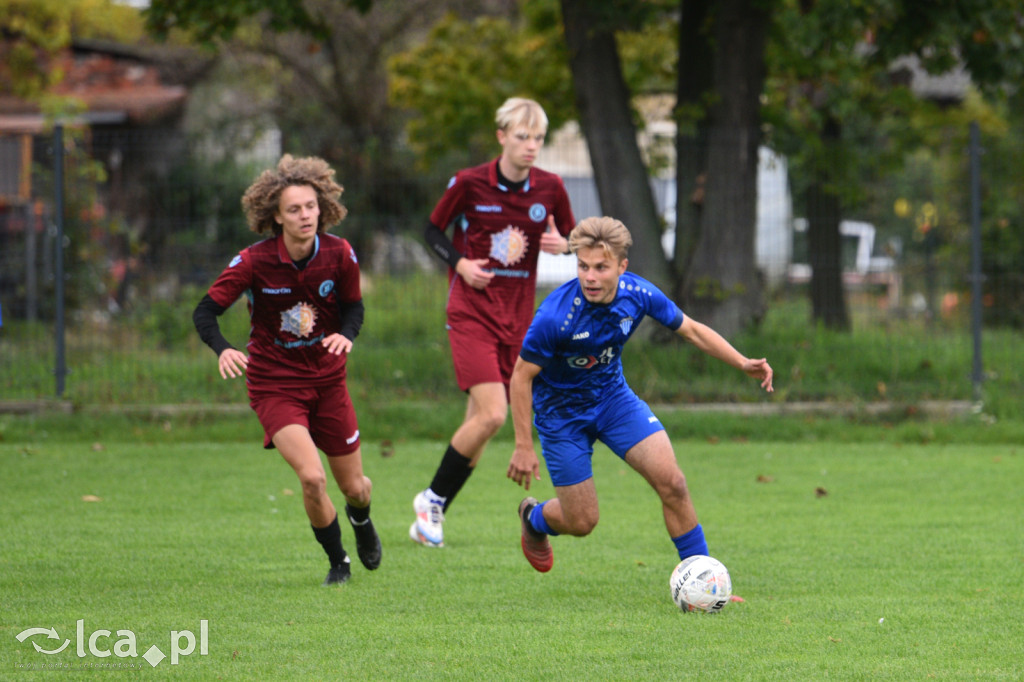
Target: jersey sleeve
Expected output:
[348,289]
[664,310]
[450,203]
[233,281]
[541,339]
[564,218]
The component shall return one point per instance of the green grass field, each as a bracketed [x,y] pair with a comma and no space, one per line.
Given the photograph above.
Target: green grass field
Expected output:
[857,561]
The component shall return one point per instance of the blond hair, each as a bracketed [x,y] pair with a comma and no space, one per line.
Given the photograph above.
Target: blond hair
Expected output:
[260,201]
[519,112]
[608,233]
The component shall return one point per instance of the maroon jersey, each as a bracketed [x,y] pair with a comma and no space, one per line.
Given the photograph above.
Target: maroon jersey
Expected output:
[291,310]
[505,227]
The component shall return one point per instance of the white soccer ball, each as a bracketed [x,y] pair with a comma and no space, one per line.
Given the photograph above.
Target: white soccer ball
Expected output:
[701,583]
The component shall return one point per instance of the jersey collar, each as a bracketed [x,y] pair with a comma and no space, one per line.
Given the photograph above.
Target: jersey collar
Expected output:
[283,254]
[493,176]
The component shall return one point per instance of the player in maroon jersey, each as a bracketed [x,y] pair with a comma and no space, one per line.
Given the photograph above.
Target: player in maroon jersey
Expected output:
[505,213]
[306,308]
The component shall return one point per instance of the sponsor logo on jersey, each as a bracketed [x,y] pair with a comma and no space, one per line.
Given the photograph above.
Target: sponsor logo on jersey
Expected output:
[625,324]
[451,182]
[485,208]
[235,261]
[538,213]
[353,439]
[299,320]
[275,292]
[326,287]
[509,246]
[580,335]
[589,361]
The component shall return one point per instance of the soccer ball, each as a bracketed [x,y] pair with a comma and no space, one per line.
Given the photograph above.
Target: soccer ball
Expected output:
[701,583]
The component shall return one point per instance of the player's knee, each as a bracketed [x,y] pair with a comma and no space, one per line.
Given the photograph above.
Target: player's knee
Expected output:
[582,524]
[356,490]
[673,488]
[492,421]
[314,483]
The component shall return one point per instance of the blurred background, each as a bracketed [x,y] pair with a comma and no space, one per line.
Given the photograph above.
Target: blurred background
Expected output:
[838,188]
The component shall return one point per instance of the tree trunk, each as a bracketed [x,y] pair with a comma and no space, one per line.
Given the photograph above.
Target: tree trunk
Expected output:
[824,246]
[603,102]
[693,85]
[723,287]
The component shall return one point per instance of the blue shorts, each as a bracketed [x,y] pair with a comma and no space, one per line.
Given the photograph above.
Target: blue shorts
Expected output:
[620,421]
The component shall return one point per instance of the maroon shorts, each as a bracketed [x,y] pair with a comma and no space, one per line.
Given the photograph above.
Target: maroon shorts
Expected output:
[479,355]
[326,411]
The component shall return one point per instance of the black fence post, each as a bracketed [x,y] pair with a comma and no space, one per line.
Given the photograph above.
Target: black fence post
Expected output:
[58,183]
[976,273]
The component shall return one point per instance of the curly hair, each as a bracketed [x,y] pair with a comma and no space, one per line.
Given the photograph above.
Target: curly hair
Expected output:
[260,201]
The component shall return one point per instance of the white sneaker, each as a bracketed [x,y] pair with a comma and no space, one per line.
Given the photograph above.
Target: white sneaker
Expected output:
[427,529]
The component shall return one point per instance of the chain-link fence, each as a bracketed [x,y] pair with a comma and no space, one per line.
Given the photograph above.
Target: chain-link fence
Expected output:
[149,219]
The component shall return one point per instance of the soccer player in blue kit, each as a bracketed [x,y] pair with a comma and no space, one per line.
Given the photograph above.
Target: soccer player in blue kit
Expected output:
[569,376]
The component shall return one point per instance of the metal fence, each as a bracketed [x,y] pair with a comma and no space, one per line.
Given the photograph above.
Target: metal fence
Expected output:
[112,265]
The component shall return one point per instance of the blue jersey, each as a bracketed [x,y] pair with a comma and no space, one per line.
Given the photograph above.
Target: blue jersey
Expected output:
[579,344]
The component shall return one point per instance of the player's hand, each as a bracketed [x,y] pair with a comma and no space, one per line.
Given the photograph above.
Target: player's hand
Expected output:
[232,363]
[474,272]
[337,344]
[551,241]
[524,466]
[760,369]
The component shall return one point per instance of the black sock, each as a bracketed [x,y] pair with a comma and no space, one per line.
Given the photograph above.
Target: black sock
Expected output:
[451,475]
[357,516]
[330,538]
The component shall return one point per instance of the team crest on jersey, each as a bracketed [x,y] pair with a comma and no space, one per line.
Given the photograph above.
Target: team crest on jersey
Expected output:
[625,324]
[326,287]
[508,246]
[538,213]
[299,320]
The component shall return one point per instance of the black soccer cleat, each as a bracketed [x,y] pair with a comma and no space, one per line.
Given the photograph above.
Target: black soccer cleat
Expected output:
[367,544]
[338,575]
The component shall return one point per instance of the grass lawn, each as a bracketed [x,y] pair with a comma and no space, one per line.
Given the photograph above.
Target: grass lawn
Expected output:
[856,561]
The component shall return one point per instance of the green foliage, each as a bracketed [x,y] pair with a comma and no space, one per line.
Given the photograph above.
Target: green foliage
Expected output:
[815,536]
[209,21]
[33,33]
[452,82]
[456,79]
[36,31]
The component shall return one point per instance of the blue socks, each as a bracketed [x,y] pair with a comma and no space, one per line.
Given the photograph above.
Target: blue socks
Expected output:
[538,521]
[691,543]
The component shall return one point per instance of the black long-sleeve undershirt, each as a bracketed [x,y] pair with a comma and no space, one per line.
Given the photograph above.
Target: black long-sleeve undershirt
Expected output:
[441,245]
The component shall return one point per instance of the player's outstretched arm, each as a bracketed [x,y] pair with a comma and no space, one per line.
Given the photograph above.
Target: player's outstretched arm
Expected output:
[524,464]
[711,342]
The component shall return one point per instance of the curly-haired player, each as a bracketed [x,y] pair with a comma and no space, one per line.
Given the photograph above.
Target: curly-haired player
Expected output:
[305,304]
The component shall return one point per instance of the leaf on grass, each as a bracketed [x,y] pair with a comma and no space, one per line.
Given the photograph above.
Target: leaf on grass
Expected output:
[97,447]
[287,492]
[387,448]
[836,640]
[820,492]
[762,478]
[91,498]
